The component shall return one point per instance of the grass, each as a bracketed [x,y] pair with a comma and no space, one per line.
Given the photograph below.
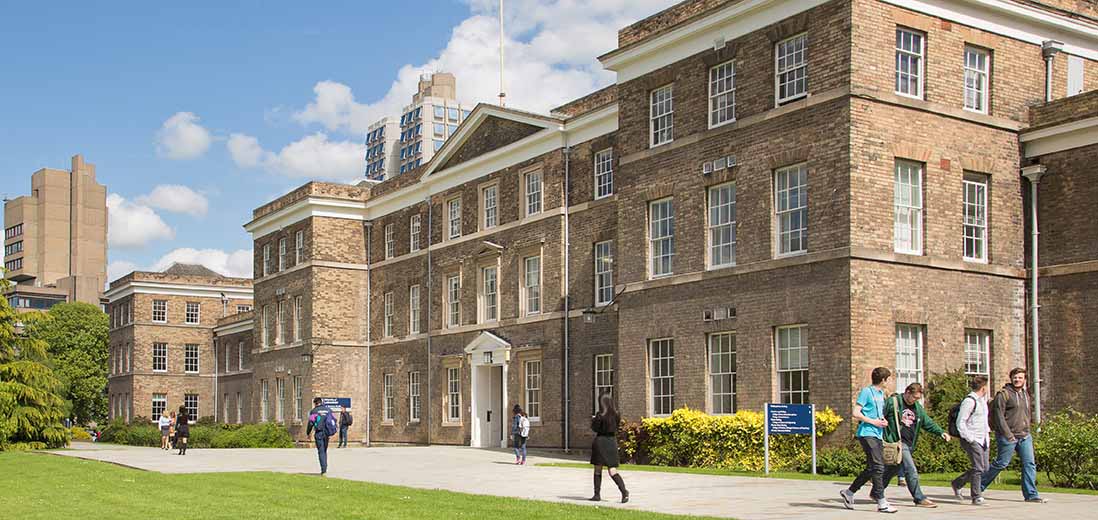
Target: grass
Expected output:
[44,486]
[1008,480]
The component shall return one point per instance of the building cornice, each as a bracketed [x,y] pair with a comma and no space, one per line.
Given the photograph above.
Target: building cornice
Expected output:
[1057,138]
[175,289]
[303,209]
[234,328]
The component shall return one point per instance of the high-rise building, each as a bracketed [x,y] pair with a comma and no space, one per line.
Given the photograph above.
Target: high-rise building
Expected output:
[393,147]
[55,239]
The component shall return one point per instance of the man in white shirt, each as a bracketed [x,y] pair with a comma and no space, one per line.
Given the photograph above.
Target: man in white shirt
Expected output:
[973,427]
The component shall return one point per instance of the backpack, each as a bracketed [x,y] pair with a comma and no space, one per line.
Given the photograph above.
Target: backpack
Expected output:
[331,426]
[350,419]
[954,414]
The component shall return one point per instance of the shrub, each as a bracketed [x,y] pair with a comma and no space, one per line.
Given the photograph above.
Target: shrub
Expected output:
[1066,449]
[205,435]
[844,461]
[693,438]
[80,434]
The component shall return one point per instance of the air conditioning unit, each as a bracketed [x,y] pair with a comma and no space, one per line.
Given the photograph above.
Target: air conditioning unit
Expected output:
[707,168]
[719,164]
[730,312]
[707,315]
[730,160]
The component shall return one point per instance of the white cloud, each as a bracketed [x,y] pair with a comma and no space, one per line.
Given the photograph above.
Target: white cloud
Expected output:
[237,263]
[181,137]
[245,150]
[177,199]
[550,55]
[133,225]
[312,157]
[118,269]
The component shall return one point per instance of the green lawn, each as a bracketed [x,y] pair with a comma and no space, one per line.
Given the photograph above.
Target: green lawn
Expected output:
[39,485]
[1008,480]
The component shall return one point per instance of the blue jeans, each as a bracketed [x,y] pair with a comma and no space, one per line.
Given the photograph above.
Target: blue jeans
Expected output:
[908,471]
[1005,452]
[322,452]
[519,443]
[343,436]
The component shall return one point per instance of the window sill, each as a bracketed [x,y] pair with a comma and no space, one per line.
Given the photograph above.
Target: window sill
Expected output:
[790,255]
[451,424]
[657,145]
[719,267]
[723,123]
[974,111]
[909,96]
[983,261]
[789,100]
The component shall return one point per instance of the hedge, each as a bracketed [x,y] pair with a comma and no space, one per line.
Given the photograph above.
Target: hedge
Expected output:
[202,435]
[696,439]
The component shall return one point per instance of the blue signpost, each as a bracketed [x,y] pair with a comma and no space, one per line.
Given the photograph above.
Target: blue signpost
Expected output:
[789,419]
[337,404]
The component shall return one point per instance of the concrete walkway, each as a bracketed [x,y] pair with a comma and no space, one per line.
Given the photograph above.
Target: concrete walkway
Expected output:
[493,472]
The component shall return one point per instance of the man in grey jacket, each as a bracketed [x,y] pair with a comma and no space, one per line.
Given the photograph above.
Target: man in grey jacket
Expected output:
[1010,419]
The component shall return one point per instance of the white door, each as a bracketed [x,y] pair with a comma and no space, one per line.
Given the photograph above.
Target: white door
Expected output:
[491,417]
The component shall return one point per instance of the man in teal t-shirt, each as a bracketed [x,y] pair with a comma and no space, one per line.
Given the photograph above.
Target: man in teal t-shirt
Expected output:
[869,411]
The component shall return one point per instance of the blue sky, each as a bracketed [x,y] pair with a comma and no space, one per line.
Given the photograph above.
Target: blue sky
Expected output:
[226,105]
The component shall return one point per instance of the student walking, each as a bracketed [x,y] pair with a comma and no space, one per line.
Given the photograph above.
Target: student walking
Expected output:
[911,417]
[182,430]
[165,424]
[1010,419]
[323,422]
[171,430]
[345,422]
[972,428]
[869,411]
[604,449]
[520,432]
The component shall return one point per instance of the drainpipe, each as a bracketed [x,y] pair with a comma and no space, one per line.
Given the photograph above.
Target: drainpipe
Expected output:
[1049,50]
[567,304]
[427,199]
[368,228]
[1034,174]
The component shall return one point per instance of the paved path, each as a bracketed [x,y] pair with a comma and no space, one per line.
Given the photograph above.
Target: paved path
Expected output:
[493,472]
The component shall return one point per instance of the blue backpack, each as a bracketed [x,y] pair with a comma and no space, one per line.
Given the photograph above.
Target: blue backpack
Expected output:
[330,426]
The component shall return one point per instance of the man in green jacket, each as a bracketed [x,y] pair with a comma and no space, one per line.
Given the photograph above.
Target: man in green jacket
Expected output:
[911,417]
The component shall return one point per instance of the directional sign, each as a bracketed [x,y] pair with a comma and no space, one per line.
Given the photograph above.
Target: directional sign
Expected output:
[789,419]
[337,404]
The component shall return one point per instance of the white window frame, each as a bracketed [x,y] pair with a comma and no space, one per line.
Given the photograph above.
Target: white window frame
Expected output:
[661,239]
[907,230]
[387,328]
[162,400]
[264,400]
[298,398]
[453,391]
[266,259]
[266,326]
[661,376]
[977,352]
[187,358]
[299,247]
[228,360]
[489,202]
[604,273]
[413,234]
[297,318]
[531,286]
[162,311]
[909,355]
[908,50]
[162,357]
[721,223]
[413,310]
[240,355]
[792,69]
[975,229]
[414,401]
[977,80]
[280,326]
[387,398]
[390,241]
[239,409]
[604,377]
[532,190]
[722,94]
[453,300]
[197,313]
[187,398]
[784,211]
[604,173]
[661,115]
[280,402]
[721,365]
[786,344]
[283,249]
[488,294]
[532,393]
[453,218]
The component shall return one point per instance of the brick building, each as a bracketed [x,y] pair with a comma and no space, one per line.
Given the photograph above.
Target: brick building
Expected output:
[772,199]
[162,339]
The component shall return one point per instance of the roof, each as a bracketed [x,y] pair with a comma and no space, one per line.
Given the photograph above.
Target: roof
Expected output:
[191,270]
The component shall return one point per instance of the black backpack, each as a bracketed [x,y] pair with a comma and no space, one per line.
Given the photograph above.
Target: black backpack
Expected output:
[350,420]
[954,414]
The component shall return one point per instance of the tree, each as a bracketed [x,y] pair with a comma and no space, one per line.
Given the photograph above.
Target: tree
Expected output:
[76,335]
[31,410]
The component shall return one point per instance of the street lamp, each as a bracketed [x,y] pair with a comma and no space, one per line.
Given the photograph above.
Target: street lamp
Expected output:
[590,313]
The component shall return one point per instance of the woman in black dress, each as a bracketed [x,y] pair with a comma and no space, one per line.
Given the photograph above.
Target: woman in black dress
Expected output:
[182,430]
[604,449]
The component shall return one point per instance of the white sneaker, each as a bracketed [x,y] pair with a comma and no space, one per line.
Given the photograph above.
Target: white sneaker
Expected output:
[884,507]
[978,501]
[848,499]
[957,492]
